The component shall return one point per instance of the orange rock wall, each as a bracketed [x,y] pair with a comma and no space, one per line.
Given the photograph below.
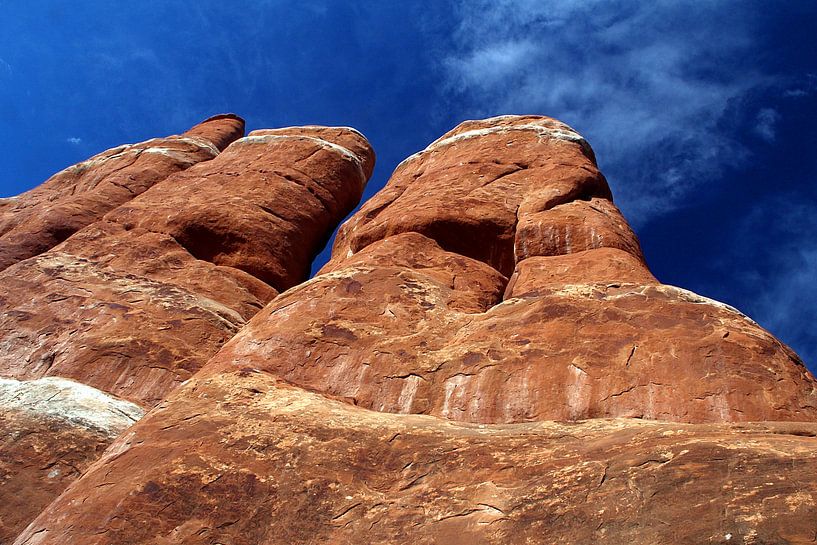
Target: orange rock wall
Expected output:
[170,259]
[486,359]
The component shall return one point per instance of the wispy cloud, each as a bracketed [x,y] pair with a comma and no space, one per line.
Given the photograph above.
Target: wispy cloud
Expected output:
[74,140]
[783,285]
[766,120]
[803,88]
[5,69]
[643,82]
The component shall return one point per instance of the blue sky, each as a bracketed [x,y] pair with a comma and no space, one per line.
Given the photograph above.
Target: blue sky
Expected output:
[703,114]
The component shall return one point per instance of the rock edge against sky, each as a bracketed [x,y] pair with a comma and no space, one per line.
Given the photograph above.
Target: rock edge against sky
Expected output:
[486,357]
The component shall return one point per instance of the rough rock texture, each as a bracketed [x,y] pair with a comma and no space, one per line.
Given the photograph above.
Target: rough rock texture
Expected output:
[39,219]
[494,295]
[135,302]
[415,313]
[53,429]
[241,459]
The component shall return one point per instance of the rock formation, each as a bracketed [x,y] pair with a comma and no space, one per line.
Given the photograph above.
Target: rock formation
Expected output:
[485,359]
[134,303]
[40,219]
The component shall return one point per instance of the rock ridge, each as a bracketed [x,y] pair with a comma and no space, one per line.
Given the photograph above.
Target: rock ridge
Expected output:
[485,359]
[102,325]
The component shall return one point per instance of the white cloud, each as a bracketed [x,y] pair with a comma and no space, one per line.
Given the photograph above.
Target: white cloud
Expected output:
[782,285]
[786,306]
[765,123]
[74,140]
[803,88]
[643,83]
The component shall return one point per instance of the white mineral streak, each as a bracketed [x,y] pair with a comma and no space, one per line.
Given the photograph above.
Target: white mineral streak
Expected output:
[154,145]
[692,297]
[628,290]
[200,142]
[69,401]
[455,388]
[563,132]
[325,144]
[314,127]
[407,394]
[577,398]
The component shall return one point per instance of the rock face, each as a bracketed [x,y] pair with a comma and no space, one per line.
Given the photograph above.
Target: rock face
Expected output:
[282,465]
[494,281]
[136,301]
[486,359]
[53,429]
[40,219]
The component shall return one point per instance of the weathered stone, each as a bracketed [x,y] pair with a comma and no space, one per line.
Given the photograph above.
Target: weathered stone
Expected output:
[241,458]
[134,303]
[41,218]
[584,330]
[494,295]
[52,430]
[467,189]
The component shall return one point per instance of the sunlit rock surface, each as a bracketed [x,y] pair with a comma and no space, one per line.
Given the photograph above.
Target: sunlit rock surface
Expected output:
[486,359]
[133,303]
[39,219]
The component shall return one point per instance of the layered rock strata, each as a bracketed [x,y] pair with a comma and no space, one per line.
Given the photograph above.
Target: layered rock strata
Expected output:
[134,303]
[462,372]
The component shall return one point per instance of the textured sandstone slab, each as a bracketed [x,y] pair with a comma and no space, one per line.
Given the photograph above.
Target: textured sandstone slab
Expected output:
[601,266]
[135,303]
[408,316]
[575,226]
[41,218]
[405,338]
[52,430]
[243,459]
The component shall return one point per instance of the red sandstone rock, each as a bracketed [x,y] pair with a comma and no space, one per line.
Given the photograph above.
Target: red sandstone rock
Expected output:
[494,294]
[601,266]
[41,218]
[134,303]
[242,459]
[52,430]
[584,331]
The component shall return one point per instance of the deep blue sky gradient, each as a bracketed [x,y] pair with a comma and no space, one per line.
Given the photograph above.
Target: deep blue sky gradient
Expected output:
[703,115]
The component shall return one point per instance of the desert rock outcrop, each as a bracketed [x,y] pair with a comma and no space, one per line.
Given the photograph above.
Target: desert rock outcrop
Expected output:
[39,219]
[136,301]
[244,459]
[494,281]
[486,359]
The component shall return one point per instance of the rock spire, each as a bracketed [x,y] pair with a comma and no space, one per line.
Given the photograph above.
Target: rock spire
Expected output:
[486,359]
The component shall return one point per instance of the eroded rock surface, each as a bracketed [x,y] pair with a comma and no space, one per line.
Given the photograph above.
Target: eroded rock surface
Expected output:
[136,301]
[41,218]
[493,280]
[53,429]
[244,459]
[486,359]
